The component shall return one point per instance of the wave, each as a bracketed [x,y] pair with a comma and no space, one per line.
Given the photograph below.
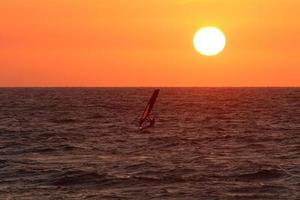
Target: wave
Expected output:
[95,116]
[264,174]
[79,177]
[65,121]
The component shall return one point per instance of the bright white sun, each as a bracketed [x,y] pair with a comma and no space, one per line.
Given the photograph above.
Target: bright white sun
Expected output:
[209,41]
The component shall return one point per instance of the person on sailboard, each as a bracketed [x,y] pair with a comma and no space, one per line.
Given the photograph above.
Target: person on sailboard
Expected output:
[152,121]
[147,111]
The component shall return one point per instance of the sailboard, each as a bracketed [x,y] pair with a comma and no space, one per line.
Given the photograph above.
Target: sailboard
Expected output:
[149,107]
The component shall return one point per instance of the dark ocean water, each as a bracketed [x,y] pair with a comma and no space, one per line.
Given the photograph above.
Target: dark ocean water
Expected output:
[208,143]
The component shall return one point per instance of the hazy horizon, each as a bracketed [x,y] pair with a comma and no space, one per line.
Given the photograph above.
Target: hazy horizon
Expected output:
[149,86]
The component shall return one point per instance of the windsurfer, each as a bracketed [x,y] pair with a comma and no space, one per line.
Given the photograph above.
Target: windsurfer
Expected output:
[146,114]
[152,121]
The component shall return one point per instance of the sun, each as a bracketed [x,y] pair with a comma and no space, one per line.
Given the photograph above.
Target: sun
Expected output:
[209,41]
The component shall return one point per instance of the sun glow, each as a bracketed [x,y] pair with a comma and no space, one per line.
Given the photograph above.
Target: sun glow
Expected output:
[209,41]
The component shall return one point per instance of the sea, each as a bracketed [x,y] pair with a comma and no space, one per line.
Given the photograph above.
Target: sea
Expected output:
[207,143]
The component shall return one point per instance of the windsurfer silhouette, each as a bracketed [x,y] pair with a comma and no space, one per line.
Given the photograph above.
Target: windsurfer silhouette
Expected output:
[152,121]
[146,114]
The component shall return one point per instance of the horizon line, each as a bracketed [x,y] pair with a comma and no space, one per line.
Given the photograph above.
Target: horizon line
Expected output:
[150,86]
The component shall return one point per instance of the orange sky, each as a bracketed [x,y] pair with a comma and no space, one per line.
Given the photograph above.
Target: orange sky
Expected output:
[147,43]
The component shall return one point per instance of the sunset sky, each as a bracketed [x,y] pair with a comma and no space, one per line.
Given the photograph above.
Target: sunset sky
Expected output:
[147,43]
